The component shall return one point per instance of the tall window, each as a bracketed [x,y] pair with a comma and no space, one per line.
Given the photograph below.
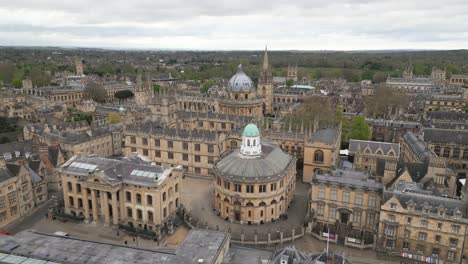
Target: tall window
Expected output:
[321,194]
[237,187]
[357,217]
[318,156]
[437,150]
[262,188]
[371,201]
[250,188]
[320,208]
[333,195]
[358,199]
[332,212]
[346,197]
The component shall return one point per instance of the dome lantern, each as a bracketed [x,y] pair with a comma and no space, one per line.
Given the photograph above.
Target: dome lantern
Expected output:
[251,145]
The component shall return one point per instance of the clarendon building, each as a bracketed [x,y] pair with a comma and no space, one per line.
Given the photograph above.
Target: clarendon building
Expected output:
[128,191]
[254,184]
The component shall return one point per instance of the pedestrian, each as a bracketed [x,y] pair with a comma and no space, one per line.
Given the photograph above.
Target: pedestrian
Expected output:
[125,242]
[117,233]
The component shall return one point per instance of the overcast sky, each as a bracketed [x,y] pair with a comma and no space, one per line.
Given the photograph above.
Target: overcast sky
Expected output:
[237,24]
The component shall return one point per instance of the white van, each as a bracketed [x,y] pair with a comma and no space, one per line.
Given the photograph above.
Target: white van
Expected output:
[60,233]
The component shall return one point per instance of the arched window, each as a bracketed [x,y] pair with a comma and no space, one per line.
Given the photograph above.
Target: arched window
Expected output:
[318,156]
[254,143]
[248,142]
[164,196]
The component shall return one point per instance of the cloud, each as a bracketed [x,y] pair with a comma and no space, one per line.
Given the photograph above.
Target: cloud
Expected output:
[240,24]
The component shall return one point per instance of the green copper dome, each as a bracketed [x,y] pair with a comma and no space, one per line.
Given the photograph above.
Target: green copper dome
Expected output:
[251,130]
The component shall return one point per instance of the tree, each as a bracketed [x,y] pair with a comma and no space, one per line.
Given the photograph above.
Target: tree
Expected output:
[124,94]
[207,85]
[95,92]
[114,118]
[386,103]
[379,77]
[156,88]
[359,129]
[289,83]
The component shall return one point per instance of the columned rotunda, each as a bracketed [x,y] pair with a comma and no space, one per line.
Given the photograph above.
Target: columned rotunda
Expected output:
[254,184]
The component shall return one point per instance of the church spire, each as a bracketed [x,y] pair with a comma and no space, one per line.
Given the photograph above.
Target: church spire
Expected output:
[265,59]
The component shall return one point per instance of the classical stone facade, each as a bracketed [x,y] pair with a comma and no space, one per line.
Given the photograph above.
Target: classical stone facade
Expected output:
[420,225]
[346,203]
[255,184]
[128,191]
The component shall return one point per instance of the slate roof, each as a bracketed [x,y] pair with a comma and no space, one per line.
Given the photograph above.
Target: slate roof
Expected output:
[393,123]
[421,198]
[417,146]
[271,163]
[5,174]
[154,128]
[116,170]
[199,244]
[325,135]
[446,136]
[349,178]
[361,145]
[21,146]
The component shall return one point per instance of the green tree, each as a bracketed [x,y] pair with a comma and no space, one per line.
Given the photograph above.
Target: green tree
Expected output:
[114,118]
[207,85]
[359,129]
[379,77]
[124,94]
[156,88]
[289,83]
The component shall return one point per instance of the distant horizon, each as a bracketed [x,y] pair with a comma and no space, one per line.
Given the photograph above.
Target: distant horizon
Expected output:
[319,25]
[222,50]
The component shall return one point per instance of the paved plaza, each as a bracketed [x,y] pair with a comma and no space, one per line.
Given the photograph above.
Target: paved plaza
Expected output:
[199,204]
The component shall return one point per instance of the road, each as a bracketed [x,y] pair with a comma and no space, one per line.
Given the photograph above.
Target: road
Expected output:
[30,220]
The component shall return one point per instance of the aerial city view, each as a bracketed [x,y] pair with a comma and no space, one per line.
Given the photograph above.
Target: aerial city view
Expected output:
[233,132]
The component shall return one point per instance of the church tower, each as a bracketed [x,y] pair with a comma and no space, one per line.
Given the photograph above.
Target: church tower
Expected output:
[408,72]
[265,84]
[79,67]
[143,90]
[292,73]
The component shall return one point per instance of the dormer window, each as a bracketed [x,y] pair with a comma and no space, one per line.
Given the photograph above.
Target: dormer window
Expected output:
[393,205]
[7,156]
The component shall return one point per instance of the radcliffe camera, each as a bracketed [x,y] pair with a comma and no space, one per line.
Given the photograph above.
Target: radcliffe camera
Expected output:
[234,132]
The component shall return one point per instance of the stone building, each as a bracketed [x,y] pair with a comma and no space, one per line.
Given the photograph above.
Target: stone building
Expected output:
[242,97]
[100,141]
[265,84]
[451,144]
[196,151]
[458,79]
[292,73]
[422,226]
[79,67]
[321,151]
[444,102]
[255,184]
[391,130]
[345,205]
[367,154]
[21,189]
[129,191]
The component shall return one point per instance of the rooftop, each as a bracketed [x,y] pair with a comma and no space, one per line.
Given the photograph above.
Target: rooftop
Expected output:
[199,244]
[272,163]
[129,170]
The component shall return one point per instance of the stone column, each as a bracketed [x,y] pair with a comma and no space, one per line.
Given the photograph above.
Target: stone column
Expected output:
[94,203]
[86,204]
[105,207]
[115,211]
